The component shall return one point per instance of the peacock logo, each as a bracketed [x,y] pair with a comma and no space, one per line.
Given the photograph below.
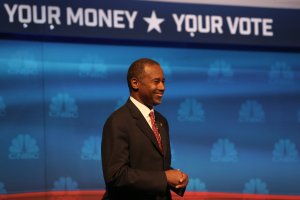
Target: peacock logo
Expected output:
[223,151]
[23,147]
[63,105]
[191,110]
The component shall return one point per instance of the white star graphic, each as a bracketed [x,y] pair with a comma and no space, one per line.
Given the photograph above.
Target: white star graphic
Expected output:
[153,22]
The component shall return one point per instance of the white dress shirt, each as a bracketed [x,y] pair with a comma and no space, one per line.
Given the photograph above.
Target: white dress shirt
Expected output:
[143,109]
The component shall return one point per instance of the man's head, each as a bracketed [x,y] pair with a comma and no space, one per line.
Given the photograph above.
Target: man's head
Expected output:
[146,81]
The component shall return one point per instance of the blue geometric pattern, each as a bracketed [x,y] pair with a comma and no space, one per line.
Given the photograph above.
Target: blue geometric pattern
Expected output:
[191,110]
[92,67]
[91,148]
[220,71]
[63,105]
[213,134]
[65,183]
[223,151]
[23,63]
[255,186]
[23,147]
[2,107]
[281,73]
[2,188]
[285,151]
[252,112]
[196,185]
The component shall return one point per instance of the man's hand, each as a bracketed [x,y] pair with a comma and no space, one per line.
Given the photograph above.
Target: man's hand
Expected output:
[177,178]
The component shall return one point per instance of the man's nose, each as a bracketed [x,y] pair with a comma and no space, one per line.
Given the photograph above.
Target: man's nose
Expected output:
[161,86]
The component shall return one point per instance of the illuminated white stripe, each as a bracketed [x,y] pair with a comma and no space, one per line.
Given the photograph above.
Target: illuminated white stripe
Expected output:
[286,4]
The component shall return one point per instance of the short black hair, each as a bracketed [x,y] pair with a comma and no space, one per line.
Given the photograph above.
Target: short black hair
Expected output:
[136,69]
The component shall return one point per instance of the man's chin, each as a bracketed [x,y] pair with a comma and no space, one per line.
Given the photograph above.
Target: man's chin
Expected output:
[157,102]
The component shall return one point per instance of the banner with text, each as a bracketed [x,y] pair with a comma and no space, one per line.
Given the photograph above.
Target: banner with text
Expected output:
[152,22]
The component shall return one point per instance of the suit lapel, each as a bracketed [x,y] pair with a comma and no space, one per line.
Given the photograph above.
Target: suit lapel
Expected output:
[142,124]
[145,128]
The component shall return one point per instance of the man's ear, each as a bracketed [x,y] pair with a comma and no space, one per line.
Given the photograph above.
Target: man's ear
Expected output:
[134,84]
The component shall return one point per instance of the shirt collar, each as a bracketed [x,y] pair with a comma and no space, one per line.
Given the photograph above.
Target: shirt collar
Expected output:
[142,108]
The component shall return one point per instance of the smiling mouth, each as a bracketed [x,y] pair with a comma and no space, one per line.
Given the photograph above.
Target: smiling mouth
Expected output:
[159,94]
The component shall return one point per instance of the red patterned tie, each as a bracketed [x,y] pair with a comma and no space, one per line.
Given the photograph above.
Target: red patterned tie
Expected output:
[155,130]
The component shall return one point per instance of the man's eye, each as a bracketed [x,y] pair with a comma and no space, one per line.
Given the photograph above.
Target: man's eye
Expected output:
[158,81]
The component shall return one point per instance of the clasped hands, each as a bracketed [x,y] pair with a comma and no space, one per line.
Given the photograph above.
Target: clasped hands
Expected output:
[176,178]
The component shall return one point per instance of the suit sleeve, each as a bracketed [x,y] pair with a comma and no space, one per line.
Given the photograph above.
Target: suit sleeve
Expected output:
[116,166]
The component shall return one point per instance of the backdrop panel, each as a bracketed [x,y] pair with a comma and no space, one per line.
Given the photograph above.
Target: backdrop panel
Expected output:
[234,115]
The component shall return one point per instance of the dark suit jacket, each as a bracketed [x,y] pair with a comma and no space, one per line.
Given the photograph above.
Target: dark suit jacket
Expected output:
[133,165]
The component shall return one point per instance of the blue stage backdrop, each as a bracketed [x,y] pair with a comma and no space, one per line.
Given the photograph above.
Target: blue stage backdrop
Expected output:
[234,115]
[232,90]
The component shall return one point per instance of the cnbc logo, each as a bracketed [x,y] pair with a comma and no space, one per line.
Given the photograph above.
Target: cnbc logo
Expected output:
[23,147]
[91,148]
[63,105]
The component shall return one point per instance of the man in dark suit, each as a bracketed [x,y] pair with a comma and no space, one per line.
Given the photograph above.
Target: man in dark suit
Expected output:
[136,154]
